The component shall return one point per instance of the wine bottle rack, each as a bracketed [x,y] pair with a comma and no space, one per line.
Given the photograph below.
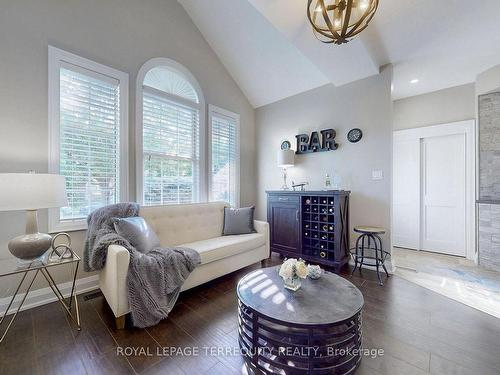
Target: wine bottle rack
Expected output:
[318,226]
[321,225]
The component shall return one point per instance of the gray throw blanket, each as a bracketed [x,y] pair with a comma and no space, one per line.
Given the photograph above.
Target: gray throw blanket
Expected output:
[154,279]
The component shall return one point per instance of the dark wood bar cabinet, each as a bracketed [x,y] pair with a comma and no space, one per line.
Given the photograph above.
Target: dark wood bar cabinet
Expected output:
[312,225]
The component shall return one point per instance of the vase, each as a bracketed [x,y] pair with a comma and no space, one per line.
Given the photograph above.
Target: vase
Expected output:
[292,283]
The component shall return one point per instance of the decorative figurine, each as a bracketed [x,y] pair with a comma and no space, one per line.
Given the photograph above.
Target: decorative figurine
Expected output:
[314,271]
[301,186]
[62,250]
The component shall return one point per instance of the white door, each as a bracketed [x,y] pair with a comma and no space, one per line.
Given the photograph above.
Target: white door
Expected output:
[406,193]
[443,185]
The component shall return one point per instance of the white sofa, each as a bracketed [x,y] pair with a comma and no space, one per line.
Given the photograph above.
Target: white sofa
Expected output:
[197,226]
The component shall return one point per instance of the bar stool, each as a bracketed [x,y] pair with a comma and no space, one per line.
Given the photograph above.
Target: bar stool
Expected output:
[370,242]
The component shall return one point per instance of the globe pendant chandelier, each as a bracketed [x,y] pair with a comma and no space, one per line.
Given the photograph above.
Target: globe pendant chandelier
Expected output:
[337,21]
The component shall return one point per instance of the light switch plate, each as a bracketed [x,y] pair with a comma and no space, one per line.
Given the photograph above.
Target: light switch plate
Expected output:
[377,175]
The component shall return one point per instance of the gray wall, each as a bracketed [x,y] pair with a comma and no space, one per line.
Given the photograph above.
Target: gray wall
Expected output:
[365,104]
[489,146]
[489,160]
[439,107]
[489,236]
[120,33]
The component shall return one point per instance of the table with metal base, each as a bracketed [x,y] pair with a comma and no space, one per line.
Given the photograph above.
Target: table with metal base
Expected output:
[30,271]
[314,330]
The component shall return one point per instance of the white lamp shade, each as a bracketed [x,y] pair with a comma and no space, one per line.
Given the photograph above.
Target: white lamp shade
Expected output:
[286,158]
[31,191]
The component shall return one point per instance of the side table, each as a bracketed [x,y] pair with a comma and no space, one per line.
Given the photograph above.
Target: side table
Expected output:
[42,265]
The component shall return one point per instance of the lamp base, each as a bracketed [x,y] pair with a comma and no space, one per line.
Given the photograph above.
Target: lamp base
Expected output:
[30,246]
[285,185]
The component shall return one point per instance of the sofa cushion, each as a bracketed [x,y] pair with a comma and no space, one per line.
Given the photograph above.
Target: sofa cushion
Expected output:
[238,220]
[181,223]
[221,247]
[138,232]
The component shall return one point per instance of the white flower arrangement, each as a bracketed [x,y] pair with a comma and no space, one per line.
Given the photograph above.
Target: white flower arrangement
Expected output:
[292,268]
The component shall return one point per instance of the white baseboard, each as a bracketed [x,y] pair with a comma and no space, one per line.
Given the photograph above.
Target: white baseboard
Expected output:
[43,296]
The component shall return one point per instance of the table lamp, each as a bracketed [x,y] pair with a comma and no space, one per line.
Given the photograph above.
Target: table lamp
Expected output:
[286,159]
[30,192]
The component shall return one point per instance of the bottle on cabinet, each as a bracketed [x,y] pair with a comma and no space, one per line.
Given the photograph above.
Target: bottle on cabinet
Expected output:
[328,182]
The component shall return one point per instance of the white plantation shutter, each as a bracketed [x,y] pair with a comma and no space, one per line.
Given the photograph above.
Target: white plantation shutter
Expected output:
[224,168]
[166,80]
[89,141]
[171,160]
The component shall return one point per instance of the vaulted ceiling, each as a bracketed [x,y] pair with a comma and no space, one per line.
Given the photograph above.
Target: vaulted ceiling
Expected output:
[269,49]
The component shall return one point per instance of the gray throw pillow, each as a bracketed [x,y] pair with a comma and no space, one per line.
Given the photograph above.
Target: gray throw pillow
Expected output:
[138,232]
[238,220]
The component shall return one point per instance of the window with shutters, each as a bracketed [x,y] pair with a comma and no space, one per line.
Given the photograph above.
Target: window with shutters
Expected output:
[224,156]
[88,109]
[171,135]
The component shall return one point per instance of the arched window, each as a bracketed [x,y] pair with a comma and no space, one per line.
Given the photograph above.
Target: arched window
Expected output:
[170,135]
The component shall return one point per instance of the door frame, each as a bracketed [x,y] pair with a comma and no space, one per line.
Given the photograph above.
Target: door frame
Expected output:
[468,129]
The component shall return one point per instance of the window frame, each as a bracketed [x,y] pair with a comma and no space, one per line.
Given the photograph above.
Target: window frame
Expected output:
[57,59]
[212,110]
[139,160]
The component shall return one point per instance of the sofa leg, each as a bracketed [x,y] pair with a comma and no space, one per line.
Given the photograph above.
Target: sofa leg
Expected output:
[120,322]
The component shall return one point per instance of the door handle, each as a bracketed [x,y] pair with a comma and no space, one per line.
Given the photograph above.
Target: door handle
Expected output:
[296,215]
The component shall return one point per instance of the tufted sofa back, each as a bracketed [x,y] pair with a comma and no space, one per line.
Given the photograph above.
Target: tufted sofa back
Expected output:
[183,223]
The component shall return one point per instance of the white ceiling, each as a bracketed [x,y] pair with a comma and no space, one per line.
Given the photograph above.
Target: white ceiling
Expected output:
[262,61]
[270,51]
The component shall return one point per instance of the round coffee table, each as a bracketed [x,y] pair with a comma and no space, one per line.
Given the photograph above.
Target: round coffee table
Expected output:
[315,330]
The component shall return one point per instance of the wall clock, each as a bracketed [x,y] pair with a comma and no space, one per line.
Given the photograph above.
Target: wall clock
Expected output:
[354,135]
[285,145]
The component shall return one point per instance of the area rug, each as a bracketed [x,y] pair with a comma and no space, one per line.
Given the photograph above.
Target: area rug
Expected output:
[453,277]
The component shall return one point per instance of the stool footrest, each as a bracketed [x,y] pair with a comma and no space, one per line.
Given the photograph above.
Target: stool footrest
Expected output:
[376,255]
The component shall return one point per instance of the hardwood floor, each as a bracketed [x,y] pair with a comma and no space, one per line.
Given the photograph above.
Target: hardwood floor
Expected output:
[420,331]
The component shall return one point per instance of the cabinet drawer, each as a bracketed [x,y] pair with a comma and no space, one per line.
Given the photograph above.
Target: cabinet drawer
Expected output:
[284,198]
